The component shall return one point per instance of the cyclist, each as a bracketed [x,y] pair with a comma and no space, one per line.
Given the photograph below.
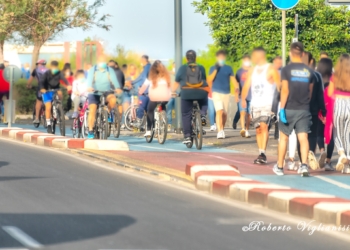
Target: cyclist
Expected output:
[51,80]
[37,73]
[79,91]
[192,79]
[158,83]
[103,79]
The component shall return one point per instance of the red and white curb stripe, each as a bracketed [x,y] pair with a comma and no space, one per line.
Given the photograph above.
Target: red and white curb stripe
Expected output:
[56,141]
[225,180]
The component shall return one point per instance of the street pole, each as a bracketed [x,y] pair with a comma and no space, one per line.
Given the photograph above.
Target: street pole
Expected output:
[284,37]
[178,59]
[10,97]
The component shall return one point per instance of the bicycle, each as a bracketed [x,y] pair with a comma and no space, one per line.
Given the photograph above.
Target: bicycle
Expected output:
[78,123]
[197,127]
[101,121]
[131,121]
[160,125]
[115,125]
[57,114]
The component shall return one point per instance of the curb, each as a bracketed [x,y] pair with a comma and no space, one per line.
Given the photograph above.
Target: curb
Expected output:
[56,141]
[226,181]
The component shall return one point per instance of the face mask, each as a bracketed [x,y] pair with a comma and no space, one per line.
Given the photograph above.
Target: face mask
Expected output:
[246,64]
[221,62]
[102,65]
[55,71]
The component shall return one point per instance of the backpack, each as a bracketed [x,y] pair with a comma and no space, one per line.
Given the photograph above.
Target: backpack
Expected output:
[194,76]
[109,78]
[40,71]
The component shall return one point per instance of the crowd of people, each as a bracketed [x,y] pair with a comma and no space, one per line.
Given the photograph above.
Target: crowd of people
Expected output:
[307,102]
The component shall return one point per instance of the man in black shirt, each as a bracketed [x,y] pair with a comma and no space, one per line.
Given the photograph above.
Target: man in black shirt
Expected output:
[297,86]
[119,73]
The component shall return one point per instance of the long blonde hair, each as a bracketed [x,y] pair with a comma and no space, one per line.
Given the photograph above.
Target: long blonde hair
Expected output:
[342,73]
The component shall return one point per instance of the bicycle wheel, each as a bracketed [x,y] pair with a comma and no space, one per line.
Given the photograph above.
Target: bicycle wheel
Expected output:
[162,127]
[53,126]
[61,121]
[84,126]
[104,125]
[150,138]
[116,124]
[129,119]
[198,131]
[43,119]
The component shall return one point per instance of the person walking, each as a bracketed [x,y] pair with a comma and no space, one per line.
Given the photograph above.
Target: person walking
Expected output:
[262,79]
[241,77]
[325,68]
[297,87]
[220,77]
[339,90]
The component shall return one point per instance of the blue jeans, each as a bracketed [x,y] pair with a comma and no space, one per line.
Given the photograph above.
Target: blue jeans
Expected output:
[143,100]
[169,110]
[186,110]
[211,111]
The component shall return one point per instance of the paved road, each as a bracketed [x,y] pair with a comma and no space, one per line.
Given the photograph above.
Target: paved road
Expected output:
[58,201]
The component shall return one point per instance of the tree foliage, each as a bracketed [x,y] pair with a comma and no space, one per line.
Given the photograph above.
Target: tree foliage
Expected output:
[241,25]
[51,17]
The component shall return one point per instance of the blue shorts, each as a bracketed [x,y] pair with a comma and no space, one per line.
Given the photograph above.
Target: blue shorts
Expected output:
[126,97]
[247,109]
[48,96]
[95,99]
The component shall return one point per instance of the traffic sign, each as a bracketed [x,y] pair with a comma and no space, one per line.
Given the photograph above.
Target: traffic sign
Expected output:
[285,4]
[15,71]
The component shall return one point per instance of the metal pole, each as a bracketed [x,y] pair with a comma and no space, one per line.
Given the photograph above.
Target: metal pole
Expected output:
[10,97]
[284,37]
[178,59]
[296,24]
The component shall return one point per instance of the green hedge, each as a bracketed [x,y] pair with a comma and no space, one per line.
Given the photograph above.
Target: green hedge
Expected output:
[25,97]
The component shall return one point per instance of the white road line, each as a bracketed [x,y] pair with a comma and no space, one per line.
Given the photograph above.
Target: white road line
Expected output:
[22,237]
[337,183]
[168,149]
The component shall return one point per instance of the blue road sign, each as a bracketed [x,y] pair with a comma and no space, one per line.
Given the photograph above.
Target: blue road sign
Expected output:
[285,4]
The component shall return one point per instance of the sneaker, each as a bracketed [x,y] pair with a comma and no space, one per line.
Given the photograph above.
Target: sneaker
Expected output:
[49,129]
[247,135]
[234,125]
[346,169]
[328,167]
[169,127]
[123,126]
[75,115]
[322,159]
[261,159]
[148,134]
[204,120]
[277,170]
[221,135]
[213,128]
[341,163]
[303,170]
[242,133]
[313,162]
[36,121]
[291,166]
[187,140]
[91,135]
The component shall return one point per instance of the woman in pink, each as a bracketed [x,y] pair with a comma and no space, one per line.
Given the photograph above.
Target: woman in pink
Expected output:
[159,90]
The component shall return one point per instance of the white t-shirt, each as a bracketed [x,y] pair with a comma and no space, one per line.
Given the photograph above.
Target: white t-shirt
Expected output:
[80,87]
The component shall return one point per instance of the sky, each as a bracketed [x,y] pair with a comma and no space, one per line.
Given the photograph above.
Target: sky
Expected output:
[147,27]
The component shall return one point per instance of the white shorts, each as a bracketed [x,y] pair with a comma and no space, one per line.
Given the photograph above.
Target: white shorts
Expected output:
[221,101]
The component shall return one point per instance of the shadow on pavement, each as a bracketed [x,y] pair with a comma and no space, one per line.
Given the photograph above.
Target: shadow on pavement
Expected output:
[49,229]
[4,163]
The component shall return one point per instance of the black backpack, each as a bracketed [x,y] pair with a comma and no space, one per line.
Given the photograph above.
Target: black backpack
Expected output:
[194,76]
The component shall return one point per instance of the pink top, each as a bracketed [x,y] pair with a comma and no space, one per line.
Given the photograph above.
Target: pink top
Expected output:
[162,93]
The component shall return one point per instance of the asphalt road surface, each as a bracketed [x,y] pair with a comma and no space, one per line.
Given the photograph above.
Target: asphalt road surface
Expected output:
[51,200]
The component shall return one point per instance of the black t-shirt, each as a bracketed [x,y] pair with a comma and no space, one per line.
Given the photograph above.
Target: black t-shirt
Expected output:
[299,77]
[34,73]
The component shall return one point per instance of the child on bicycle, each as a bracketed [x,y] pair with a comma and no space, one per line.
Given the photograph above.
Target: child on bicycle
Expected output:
[49,84]
[159,90]
[79,91]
